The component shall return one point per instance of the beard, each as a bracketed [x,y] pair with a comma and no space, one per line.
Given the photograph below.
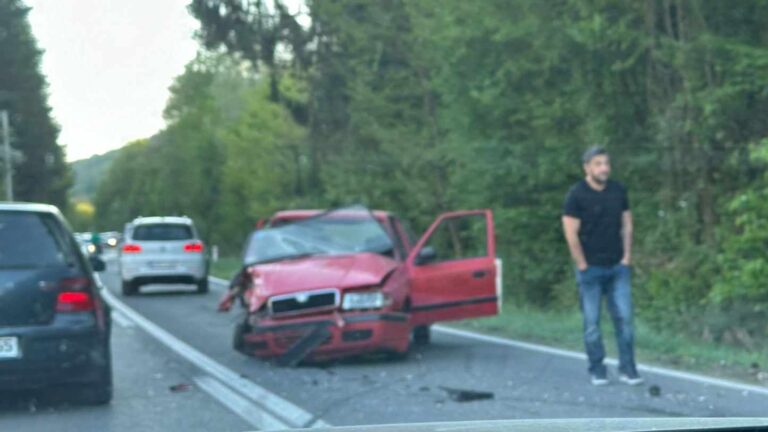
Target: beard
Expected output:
[599,179]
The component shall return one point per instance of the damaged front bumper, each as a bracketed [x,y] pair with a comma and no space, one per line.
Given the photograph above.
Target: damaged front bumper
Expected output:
[327,336]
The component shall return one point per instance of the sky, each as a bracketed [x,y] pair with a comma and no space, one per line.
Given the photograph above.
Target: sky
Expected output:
[109,64]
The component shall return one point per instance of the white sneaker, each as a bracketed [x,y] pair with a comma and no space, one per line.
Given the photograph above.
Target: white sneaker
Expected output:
[631,379]
[599,380]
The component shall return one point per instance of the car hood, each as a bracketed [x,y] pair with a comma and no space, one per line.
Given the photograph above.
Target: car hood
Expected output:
[340,271]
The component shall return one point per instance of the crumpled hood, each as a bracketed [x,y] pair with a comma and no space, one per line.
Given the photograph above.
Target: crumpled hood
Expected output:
[343,271]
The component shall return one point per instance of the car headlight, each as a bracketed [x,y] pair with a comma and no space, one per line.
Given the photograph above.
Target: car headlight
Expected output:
[112,242]
[91,248]
[365,300]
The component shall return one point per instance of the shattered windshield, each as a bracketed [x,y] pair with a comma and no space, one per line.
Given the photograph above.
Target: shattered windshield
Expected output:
[337,232]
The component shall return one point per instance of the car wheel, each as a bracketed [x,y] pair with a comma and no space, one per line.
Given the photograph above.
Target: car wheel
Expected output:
[129,288]
[202,286]
[421,335]
[100,391]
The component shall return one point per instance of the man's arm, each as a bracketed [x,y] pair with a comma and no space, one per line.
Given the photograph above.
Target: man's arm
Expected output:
[626,236]
[571,227]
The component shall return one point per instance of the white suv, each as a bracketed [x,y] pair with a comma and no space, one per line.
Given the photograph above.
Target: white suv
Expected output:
[162,250]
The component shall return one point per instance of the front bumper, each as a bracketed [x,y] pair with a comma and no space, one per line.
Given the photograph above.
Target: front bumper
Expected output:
[351,333]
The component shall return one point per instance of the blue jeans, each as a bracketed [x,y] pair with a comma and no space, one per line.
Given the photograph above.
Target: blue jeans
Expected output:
[614,283]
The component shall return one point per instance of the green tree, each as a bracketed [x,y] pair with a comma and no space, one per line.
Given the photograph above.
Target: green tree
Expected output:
[41,173]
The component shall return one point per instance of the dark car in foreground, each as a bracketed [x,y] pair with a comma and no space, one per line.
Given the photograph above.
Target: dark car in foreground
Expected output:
[54,326]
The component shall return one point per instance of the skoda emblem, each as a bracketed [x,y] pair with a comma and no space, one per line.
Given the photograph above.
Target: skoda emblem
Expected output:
[302,298]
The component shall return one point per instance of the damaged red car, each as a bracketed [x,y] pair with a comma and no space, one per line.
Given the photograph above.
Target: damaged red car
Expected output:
[326,284]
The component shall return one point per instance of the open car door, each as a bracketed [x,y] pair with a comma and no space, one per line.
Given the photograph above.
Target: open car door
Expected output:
[453,269]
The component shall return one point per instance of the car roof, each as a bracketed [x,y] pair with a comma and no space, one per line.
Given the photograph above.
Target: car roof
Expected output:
[28,207]
[161,219]
[308,213]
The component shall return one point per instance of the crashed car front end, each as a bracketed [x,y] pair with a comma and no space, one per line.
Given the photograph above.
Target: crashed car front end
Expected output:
[329,336]
[333,291]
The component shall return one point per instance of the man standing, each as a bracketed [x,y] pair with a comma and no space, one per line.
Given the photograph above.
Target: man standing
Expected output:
[598,227]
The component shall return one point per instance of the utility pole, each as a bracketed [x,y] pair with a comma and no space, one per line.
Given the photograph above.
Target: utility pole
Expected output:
[7,155]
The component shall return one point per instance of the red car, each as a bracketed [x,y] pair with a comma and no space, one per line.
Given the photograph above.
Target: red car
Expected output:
[325,284]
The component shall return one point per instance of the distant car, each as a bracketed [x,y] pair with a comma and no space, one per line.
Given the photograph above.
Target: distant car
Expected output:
[54,325]
[163,249]
[84,242]
[324,284]
[110,238]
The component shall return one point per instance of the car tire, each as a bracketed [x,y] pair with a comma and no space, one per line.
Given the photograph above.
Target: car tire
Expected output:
[202,286]
[421,335]
[100,391]
[129,288]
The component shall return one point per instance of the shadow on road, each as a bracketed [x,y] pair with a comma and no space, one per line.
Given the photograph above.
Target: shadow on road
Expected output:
[42,400]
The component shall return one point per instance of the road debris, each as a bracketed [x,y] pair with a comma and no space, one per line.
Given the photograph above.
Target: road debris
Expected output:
[304,346]
[463,395]
[180,388]
[654,390]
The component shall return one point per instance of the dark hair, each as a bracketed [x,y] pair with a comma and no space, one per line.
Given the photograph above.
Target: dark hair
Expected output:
[592,152]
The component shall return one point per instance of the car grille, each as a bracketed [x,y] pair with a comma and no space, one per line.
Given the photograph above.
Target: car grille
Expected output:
[304,301]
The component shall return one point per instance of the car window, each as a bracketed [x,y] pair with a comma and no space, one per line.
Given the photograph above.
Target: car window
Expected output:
[162,232]
[459,238]
[31,240]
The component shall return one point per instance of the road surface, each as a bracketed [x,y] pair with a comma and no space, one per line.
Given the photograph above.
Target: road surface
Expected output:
[168,335]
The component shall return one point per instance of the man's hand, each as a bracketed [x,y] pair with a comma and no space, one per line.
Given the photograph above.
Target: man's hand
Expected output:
[626,261]
[582,266]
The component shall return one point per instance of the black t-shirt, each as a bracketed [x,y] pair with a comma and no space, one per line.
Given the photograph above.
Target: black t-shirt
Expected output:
[600,214]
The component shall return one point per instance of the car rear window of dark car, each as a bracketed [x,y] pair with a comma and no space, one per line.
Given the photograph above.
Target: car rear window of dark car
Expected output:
[162,232]
[32,240]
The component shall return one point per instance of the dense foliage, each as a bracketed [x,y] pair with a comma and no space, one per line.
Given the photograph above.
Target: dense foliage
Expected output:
[88,174]
[427,105]
[40,173]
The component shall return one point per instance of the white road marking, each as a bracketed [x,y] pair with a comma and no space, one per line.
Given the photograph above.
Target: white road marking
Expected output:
[291,415]
[122,320]
[671,373]
[238,404]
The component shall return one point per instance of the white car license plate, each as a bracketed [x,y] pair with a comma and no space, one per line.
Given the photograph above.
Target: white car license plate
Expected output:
[9,347]
[161,265]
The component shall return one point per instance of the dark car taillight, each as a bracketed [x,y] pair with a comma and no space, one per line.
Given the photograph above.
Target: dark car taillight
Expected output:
[74,296]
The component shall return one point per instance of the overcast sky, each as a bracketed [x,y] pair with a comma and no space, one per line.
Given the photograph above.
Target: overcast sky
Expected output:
[109,64]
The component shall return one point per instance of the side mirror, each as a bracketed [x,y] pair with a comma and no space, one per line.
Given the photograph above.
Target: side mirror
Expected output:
[97,264]
[426,255]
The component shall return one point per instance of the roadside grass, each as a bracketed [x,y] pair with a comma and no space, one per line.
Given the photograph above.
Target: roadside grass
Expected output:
[225,267]
[562,329]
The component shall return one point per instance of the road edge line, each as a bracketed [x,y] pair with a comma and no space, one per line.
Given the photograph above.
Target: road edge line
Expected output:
[658,370]
[238,404]
[292,415]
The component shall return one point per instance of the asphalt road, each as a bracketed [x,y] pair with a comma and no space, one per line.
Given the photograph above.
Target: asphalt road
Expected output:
[169,335]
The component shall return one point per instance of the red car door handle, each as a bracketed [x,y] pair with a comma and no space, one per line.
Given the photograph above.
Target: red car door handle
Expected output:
[479,274]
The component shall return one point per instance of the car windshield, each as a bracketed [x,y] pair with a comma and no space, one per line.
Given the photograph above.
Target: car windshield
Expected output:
[337,232]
